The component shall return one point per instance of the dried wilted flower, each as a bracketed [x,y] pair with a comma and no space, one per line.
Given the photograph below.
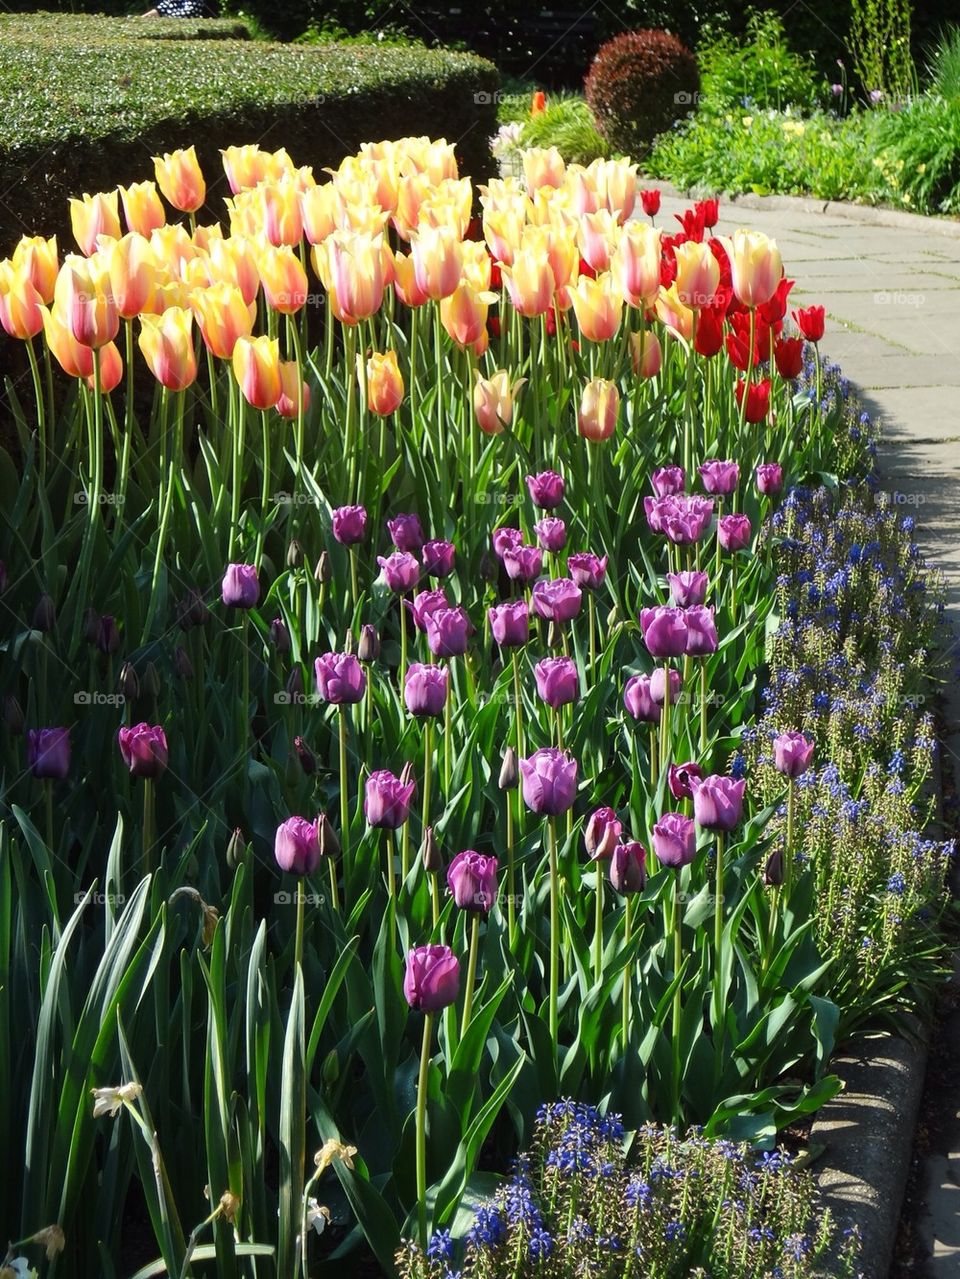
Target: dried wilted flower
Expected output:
[108,1101]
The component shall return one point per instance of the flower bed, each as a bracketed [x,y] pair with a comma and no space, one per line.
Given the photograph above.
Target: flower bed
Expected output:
[381,646]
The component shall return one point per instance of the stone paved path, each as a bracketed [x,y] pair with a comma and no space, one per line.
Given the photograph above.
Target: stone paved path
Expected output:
[893,323]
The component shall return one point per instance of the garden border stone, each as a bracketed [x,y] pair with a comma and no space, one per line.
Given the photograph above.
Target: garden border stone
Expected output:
[866,214]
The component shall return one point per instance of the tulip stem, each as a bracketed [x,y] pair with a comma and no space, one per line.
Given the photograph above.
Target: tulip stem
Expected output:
[788,857]
[447,745]
[677,1008]
[354,589]
[517,701]
[554,931]
[298,936]
[264,487]
[718,951]
[511,872]
[334,892]
[48,806]
[598,927]
[301,409]
[471,972]
[41,412]
[625,1016]
[403,641]
[344,795]
[350,446]
[591,613]
[654,770]
[148,824]
[665,720]
[427,762]
[422,1128]
[703,705]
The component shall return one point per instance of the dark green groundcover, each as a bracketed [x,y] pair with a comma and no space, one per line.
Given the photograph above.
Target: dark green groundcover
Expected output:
[85,101]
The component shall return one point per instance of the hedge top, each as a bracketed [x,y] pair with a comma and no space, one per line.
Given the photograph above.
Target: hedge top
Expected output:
[64,76]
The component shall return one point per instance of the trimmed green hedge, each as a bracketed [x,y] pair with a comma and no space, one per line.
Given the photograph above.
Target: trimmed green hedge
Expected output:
[86,101]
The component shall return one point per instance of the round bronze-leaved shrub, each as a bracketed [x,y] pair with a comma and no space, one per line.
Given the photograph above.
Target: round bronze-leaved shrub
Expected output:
[639,84]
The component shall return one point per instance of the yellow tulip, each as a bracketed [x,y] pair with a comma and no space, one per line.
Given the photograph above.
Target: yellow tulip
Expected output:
[233,261]
[283,278]
[493,401]
[142,207]
[180,179]
[755,266]
[384,383]
[317,209]
[530,282]
[351,269]
[636,263]
[111,370]
[172,247]
[598,305]
[616,186]
[74,358]
[83,300]
[464,314]
[245,167]
[256,366]
[645,353]
[437,260]
[280,217]
[503,231]
[543,167]
[597,238]
[166,343]
[38,258]
[222,317]
[698,274]
[93,216]
[476,265]
[21,306]
[293,391]
[405,281]
[133,274]
[672,312]
[599,406]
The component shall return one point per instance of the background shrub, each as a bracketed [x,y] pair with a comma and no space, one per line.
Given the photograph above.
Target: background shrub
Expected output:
[639,84]
[760,70]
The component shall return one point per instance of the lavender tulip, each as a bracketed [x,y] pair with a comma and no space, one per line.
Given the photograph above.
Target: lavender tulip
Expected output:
[733,532]
[719,478]
[432,978]
[340,678]
[557,681]
[701,631]
[674,839]
[349,525]
[602,834]
[425,689]
[48,752]
[679,778]
[241,586]
[438,558]
[628,868]
[587,570]
[448,631]
[280,636]
[297,846]
[638,699]
[668,481]
[510,623]
[546,489]
[769,478]
[472,880]
[557,600]
[401,571]
[664,631]
[407,532]
[717,801]
[792,753]
[658,685]
[549,780]
[688,588]
[523,563]
[144,749]
[505,539]
[423,604]
[386,801]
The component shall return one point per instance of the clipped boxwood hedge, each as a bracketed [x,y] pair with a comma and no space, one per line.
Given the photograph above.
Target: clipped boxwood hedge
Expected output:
[85,102]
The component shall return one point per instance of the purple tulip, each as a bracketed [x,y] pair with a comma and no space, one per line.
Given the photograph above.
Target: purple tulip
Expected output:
[510,623]
[557,599]
[684,520]
[638,699]
[438,558]
[719,478]
[401,571]
[407,532]
[717,801]
[557,681]
[386,801]
[280,636]
[472,880]
[674,839]
[448,631]
[505,539]
[602,834]
[241,586]
[523,563]
[432,979]
[668,481]
[701,631]
[423,604]
[664,631]
[733,532]
[425,689]
[587,570]
[679,777]
[349,525]
[144,749]
[769,478]
[108,637]
[551,533]
[546,489]
[658,685]
[687,588]
[792,753]
[341,679]
[549,779]
[297,846]
[48,752]
[628,868]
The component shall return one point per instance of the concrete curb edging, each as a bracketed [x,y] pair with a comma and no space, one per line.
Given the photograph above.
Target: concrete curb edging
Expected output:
[865,214]
[868,1131]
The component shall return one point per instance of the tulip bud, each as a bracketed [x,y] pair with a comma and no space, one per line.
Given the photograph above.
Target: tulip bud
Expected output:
[489,569]
[44,617]
[91,625]
[305,755]
[294,685]
[107,637]
[236,849]
[128,683]
[322,570]
[773,871]
[151,681]
[182,665]
[13,715]
[280,636]
[331,1068]
[509,770]
[430,853]
[368,650]
[294,554]
[329,843]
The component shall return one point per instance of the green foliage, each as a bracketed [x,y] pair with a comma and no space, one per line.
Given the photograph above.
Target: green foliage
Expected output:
[943,66]
[918,155]
[879,44]
[759,70]
[567,124]
[82,104]
[639,83]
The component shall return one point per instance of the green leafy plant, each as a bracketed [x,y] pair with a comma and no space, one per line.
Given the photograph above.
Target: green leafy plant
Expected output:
[758,71]
[879,44]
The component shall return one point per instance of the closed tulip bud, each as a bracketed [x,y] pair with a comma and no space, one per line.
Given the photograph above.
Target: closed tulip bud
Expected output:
[638,700]
[12,715]
[792,753]
[472,880]
[241,586]
[509,778]
[769,478]
[674,840]
[150,683]
[493,400]
[44,617]
[546,489]
[48,753]
[91,625]
[599,406]
[687,588]
[437,558]
[128,682]
[294,554]
[294,687]
[628,868]
[180,179]
[773,870]
[788,357]
[236,848]
[810,322]
[758,399]
[386,803]
[646,354]
[192,611]
[93,216]
[280,636]
[368,649]
[256,366]
[425,689]
[349,524]
[679,777]
[549,779]
[384,384]
[664,631]
[182,665]
[107,637]
[341,680]
[756,267]
[510,623]
[401,571]
[407,532]
[448,632]
[602,834]
[142,207]
[557,681]
[322,571]
[305,756]
[144,750]
[659,682]
[432,978]
[733,532]
[557,599]
[522,563]
[166,343]
[329,843]
[294,392]
[430,854]
[701,631]
[297,846]
[717,802]
[650,201]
